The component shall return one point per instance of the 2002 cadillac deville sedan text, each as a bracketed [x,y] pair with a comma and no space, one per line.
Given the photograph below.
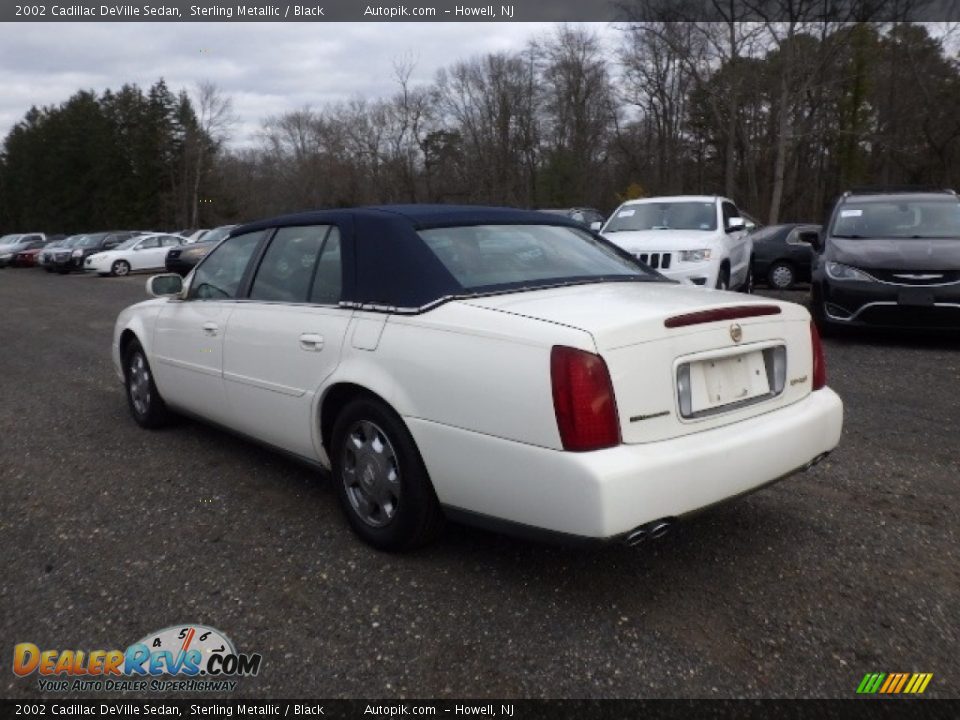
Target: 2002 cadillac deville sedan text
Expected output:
[489,365]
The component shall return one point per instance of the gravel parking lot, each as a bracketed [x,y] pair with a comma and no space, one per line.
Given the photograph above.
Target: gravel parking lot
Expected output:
[108,532]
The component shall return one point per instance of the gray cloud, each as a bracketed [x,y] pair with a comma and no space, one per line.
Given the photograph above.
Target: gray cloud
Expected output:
[267,68]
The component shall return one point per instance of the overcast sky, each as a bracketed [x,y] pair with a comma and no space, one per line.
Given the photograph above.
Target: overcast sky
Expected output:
[267,68]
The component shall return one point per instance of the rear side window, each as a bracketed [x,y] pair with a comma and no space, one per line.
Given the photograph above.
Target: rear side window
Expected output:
[287,268]
[491,255]
[219,276]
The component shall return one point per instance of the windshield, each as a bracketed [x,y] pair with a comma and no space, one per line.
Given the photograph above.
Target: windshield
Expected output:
[684,215]
[898,219]
[9,239]
[487,256]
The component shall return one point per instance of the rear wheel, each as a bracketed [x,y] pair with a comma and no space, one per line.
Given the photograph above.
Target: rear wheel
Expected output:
[781,276]
[120,268]
[147,407]
[380,478]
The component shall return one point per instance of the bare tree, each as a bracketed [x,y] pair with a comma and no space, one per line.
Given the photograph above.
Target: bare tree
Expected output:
[215,119]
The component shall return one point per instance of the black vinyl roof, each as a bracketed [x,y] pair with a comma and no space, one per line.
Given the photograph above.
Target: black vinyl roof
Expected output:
[415,216]
[389,266]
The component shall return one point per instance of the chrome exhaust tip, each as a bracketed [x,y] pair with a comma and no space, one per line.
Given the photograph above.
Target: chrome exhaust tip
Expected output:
[658,529]
[635,538]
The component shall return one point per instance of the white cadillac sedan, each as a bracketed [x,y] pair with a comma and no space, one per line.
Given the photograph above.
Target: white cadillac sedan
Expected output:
[142,252]
[492,366]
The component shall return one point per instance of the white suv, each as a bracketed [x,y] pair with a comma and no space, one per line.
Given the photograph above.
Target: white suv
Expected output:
[702,239]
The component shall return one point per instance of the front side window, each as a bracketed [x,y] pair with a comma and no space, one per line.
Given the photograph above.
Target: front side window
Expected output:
[150,243]
[904,218]
[487,256]
[219,276]
[288,264]
[682,215]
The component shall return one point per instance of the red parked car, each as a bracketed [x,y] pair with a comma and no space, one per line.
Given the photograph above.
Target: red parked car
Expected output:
[30,256]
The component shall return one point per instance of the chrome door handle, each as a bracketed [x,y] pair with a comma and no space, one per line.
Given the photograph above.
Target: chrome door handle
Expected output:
[311,341]
[210,328]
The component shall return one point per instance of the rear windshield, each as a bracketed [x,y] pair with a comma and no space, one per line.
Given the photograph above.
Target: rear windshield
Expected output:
[685,215]
[488,257]
[898,219]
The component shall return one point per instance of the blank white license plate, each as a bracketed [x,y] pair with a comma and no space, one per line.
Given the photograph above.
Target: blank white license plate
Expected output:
[727,380]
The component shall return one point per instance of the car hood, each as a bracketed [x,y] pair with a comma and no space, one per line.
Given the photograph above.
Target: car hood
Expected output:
[622,313]
[659,240]
[896,254]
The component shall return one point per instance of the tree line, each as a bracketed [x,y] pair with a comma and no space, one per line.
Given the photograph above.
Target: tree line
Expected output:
[781,116]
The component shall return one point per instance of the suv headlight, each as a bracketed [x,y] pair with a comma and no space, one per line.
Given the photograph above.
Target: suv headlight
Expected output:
[695,255]
[78,253]
[839,271]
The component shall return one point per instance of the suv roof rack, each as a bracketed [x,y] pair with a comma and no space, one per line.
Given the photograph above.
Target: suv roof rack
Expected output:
[893,189]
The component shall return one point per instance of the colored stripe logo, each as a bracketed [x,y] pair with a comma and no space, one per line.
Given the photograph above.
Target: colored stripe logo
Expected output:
[894,683]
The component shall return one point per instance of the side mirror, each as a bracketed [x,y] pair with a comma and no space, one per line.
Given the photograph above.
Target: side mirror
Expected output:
[736,223]
[596,225]
[164,285]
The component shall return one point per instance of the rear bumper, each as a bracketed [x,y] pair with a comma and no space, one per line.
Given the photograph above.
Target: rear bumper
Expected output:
[607,493]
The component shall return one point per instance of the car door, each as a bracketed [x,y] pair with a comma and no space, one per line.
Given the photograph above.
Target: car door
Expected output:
[738,245]
[285,338]
[156,256]
[142,254]
[187,356]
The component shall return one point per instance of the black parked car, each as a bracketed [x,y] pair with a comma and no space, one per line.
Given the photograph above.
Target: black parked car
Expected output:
[181,260]
[65,259]
[782,254]
[889,259]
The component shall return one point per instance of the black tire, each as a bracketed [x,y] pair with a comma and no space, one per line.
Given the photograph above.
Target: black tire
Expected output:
[63,271]
[149,410]
[781,275]
[416,517]
[120,268]
[723,277]
[747,286]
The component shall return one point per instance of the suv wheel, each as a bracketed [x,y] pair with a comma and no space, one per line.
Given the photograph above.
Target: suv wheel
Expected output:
[747,286]
[723,278]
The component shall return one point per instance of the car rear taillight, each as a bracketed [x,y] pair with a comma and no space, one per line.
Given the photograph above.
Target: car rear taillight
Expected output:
[819,365]
[583,400]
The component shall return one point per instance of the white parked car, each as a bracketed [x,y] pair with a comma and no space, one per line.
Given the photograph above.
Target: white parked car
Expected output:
[143,252]
[493,366]
[702,239]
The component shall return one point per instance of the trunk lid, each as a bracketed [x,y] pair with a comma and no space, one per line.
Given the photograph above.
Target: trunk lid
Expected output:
[644,357]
